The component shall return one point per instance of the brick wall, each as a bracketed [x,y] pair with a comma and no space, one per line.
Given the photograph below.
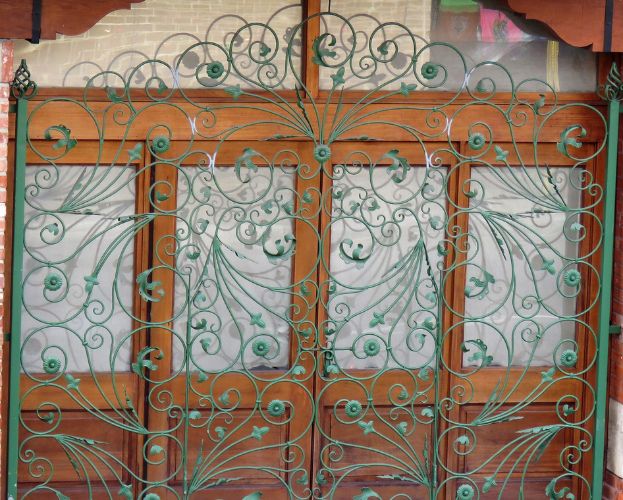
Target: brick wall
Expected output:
[162,29]
[613,487]
[6,75]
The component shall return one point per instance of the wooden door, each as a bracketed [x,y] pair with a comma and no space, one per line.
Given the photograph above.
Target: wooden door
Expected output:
[81,411]
[408,312]
[522,335]
[235,239]
[379,377]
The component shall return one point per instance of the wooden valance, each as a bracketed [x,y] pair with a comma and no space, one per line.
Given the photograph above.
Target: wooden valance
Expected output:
[597,24]
[43,19]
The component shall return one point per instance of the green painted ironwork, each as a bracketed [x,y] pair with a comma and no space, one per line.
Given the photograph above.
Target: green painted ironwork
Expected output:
[397,248]
[613,93]
[22,88]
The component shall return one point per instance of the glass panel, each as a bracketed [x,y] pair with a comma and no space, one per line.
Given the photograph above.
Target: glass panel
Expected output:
[384,235]
[521,249]
[526,48]
[162,30]
[234,268]
[364,18]
[78,268]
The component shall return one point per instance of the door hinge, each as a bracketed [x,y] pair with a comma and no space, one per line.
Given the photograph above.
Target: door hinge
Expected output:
[615,329]
[12,108]
[6,337]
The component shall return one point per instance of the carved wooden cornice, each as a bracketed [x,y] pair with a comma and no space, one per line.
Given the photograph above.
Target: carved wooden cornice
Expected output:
[597,24]
[65,17]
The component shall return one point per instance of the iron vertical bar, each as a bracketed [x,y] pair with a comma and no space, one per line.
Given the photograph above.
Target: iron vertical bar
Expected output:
[16,295]
[434,447]
[606,293]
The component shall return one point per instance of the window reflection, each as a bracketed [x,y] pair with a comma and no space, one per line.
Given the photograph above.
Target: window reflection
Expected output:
[481,31]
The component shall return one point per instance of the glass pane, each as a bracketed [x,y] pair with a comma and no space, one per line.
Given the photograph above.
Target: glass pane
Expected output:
[364,17]
[526,48]
[163,30]
[234,268]
[78,269]
[521,251]
[384,233]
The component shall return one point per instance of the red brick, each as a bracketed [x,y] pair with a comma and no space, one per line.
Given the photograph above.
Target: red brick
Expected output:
[6,59]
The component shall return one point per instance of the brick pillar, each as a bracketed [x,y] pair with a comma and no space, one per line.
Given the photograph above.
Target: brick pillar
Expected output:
[614,475]
[6,75]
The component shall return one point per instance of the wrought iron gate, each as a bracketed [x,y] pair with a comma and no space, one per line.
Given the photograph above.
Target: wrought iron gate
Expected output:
[359,296]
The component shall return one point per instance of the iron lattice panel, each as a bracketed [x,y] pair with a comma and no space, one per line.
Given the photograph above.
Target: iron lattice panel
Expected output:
[328,284]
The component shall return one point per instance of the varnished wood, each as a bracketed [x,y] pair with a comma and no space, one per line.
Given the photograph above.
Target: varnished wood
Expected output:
[454,285]
[64,17]
[379,127]
[311,32]
[112,438]
[488,442]
[101,393]
[484,381]
[580,23]
[142,247]
[160,312]
[305,255]
[210,96]
[343,391]
[92,395]
[482,384]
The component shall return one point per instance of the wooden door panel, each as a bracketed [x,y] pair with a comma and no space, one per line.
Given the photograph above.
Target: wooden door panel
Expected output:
[103,391]
[530,487]
[238,452]
[72,490]
[236,365]
[392,445]
[489,440]
[392,433]
[382,489]
[62,400]
[531,393]
[91,443]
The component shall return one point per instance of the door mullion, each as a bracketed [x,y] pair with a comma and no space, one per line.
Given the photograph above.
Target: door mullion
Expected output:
[160,313]
[141,264]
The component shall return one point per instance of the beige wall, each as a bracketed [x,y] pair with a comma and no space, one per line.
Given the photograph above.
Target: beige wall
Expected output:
[143,30]
[162,29]
[365,16]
